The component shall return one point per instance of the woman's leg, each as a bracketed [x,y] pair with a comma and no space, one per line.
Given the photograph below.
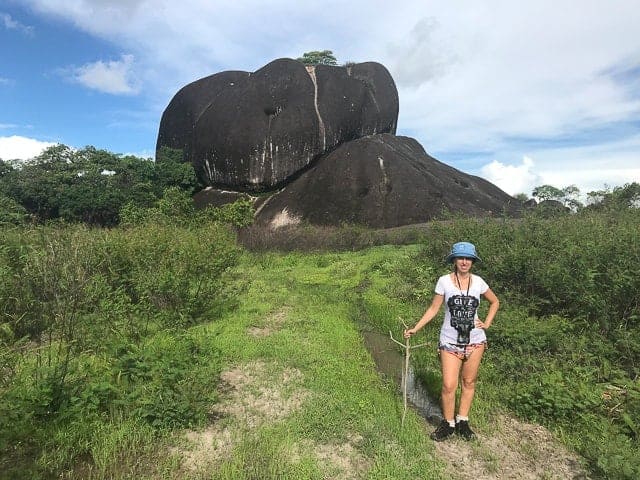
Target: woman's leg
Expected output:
[469,376]
[450,365]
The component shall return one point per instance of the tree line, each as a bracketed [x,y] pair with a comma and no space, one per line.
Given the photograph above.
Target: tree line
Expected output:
[88,186]
[625,196]
[95,187]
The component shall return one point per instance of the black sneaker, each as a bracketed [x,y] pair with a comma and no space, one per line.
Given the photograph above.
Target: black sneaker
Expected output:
[443,431]
[462,429]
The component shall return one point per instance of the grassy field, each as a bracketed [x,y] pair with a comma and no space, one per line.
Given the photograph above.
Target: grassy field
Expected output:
[149,353]
[287,387]
[296,343]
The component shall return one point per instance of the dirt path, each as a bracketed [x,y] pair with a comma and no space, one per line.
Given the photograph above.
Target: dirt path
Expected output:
[513,450]
[256,393]
[259,393]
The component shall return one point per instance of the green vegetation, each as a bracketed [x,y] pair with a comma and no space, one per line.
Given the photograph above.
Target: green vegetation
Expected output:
[324,57]
[95,349]
[88,185]
[617,198]
[118,340]
[125,350]
[564,350]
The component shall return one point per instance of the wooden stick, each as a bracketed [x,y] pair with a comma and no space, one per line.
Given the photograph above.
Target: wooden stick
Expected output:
[405,373]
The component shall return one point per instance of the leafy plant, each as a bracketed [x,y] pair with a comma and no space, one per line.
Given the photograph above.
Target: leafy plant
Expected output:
[316,57]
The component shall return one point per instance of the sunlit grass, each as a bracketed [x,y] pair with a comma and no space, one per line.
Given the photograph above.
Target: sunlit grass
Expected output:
[142,381]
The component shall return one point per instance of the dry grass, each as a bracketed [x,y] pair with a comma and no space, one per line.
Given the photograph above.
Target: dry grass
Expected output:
[252,395]
[271,324]
[308,238]
[513,450]
[342,460]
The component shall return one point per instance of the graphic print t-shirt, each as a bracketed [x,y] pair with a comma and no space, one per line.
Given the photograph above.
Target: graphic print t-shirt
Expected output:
[461,311]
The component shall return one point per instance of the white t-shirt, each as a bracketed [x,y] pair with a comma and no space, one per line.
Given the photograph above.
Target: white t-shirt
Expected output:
[461,311]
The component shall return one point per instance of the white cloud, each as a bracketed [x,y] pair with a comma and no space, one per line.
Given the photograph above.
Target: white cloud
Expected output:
[590,168]
[21,148]
[114,77]
[421,56]
[514,79]
[12,24]
[512,179]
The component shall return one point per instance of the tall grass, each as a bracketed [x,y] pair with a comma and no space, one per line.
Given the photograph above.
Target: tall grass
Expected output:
[315,238]
[564,350]
[93,339]
[139,370]
[111,340]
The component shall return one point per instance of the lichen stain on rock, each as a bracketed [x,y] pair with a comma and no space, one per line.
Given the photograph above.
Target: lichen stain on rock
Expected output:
[284,218]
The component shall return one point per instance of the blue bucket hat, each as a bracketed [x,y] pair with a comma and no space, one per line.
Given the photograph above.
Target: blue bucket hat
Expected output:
[463,250]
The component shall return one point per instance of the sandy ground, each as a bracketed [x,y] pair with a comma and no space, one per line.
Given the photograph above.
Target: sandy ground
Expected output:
[253,394]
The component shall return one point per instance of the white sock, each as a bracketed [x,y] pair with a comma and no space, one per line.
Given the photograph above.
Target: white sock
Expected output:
[452,423]
[461,418]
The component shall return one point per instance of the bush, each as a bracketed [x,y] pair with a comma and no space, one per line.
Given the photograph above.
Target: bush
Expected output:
[11,212]
[94,329]
[564,349]
[239,213]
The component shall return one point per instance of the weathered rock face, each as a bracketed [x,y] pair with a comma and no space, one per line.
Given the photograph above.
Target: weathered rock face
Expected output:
[382,181]
[182,113]
[254,131]
[325,136]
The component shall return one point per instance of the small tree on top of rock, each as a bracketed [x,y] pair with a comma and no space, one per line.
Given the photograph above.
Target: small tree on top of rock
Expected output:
[523,197]
[324,57]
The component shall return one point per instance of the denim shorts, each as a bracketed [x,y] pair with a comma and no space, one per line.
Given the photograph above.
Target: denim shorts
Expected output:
[460,351]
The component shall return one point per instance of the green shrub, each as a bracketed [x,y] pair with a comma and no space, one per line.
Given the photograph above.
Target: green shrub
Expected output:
[564,349]
[166,382]
[239,213]
[171,270]
[77,304]
[11,212]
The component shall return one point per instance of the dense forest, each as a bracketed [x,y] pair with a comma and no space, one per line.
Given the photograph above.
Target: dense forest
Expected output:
[123,310]
[88,185]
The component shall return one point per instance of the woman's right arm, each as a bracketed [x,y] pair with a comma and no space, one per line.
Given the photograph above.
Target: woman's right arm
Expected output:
[431,312]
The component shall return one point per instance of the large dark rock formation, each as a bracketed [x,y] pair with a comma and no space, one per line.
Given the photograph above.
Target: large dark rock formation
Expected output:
[322,140]
[182,113]
[254,131]
[382,181]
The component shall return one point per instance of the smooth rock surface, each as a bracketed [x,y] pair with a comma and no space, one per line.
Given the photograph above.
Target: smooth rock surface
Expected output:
[382,181]
[253,131]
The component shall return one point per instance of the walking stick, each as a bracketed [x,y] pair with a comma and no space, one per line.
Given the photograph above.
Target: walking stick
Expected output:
[405,373]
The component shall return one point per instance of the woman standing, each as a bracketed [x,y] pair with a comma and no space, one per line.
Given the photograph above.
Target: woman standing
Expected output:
[462,336]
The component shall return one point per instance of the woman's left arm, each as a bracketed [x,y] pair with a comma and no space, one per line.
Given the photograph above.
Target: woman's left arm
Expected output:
[494,304]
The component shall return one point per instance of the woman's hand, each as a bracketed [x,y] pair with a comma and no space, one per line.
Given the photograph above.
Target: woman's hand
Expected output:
[480,324]
[409,331]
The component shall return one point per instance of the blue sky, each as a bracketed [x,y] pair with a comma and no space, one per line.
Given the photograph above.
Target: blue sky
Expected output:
[520,93]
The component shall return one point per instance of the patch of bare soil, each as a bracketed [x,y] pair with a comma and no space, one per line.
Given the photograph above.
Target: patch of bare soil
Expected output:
[272,323]
[515,450]
[342,460]
[251,395]
[255,394]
